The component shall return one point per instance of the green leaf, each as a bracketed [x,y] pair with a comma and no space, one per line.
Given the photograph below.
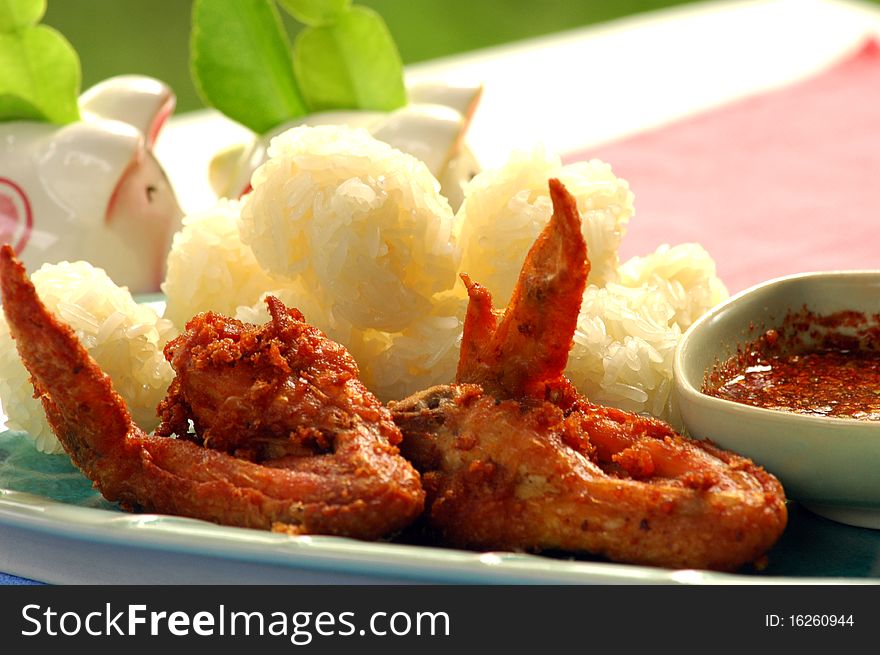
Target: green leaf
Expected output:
[18,14]
[15,108]
[41,76]
[316,12]
[241,62]
[352,64]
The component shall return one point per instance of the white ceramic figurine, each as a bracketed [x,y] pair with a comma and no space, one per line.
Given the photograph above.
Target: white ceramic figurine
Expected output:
[92,189]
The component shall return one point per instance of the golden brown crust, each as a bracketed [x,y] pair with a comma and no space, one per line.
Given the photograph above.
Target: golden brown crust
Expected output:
[504,475]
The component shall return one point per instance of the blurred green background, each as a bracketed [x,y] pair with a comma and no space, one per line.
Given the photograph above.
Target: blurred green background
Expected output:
[151,37]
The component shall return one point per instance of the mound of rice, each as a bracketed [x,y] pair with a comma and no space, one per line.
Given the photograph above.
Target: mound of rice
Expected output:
[684,274]
[125,339]
[627,332]
[623,348]
[356,235]
[506,208]
[360,226]
[209,268]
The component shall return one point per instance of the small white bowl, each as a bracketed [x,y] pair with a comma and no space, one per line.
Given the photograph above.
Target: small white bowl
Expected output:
[830,465]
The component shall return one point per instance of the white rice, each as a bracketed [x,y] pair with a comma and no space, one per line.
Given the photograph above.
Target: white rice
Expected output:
[684,274]
[623,348]
[627,332]
[125,339]
[505,209]
[356,235]
[360,226]
[209,268]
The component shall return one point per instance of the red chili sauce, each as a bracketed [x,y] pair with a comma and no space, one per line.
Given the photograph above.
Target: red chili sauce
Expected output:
[816,365]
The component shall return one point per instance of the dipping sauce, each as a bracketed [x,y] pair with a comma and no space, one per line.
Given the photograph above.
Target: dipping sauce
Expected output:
[833,374]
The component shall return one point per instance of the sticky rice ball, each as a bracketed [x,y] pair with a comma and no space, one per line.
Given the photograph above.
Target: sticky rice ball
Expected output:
[125,339]
[506,208]
[209,268]
[685,274]
[623,348]
[361,225]
[627,331]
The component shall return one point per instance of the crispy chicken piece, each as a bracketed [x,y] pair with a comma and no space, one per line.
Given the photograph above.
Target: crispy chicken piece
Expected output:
[334,469]
[512,458]
[266,393]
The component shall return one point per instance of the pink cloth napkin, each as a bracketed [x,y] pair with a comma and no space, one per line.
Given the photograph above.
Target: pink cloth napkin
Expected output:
[783,182]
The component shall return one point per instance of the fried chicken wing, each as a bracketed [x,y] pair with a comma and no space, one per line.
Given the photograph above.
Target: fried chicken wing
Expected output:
[294,441]
[268,392]
[513,458]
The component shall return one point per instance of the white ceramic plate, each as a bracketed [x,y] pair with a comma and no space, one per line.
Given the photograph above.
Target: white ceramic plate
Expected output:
[62,543]
[55,528]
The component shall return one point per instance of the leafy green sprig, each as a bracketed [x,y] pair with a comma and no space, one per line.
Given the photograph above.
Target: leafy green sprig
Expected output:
[243,63]
[40,73]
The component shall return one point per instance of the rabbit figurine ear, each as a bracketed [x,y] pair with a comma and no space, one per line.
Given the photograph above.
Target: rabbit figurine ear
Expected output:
[142,102]
[81,164]
[431,133]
